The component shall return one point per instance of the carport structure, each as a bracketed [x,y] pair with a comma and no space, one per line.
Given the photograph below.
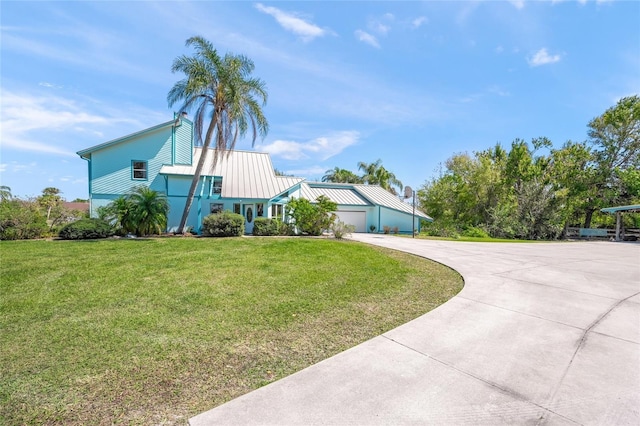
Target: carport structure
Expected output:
[618,212]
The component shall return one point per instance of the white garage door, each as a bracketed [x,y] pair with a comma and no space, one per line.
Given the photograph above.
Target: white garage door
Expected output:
[357,219]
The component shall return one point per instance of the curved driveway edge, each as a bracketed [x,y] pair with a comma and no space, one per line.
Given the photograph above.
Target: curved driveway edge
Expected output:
[543,333]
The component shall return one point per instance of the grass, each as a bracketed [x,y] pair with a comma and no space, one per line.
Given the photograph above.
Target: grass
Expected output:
[155,331]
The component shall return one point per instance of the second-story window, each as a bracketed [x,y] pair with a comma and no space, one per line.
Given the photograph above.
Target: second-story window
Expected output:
[217,185]
[139,170]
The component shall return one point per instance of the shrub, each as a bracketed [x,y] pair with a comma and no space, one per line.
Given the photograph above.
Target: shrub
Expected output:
[20,220]
[223,224]
[340,229]
[86,229]
[372,228]
[312,219]
[395,230]
[472,231]
[386,229]
[263,226]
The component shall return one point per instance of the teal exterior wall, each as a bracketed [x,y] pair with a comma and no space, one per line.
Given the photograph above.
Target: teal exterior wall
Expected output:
[111,171]
[110,166]
[393,218]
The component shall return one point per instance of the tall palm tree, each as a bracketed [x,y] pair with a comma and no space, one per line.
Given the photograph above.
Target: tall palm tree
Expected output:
[226,99]
[339,175]
[149,210]
[376,174]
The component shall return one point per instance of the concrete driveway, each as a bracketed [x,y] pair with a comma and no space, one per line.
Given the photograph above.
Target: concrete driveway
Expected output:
[543,333]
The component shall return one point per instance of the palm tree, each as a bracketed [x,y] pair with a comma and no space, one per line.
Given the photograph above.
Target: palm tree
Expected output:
[375,174]
[225,98]
[119,213]
[5,193]
[339,175]
[149,210]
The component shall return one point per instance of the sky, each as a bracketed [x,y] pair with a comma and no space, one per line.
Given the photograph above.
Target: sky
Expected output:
[410,83]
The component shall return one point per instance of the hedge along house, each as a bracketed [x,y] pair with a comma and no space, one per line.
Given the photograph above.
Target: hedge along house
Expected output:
[164,158]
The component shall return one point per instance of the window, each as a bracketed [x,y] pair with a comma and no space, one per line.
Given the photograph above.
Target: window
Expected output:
[217,185]
[276,211]
[236,208]
[139,169]
[260,210]
[216,207]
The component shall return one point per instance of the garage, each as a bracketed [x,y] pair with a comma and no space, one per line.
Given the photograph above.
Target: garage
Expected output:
[357,219]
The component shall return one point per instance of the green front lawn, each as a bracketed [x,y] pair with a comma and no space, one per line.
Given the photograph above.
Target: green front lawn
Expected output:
[153,331]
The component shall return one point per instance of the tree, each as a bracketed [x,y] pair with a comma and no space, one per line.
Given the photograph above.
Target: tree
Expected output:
[615,140]
[119,213]
[376,174]
[226,99]
[5,193]
[50,199]
[312,219]
[338,175]
[149,210]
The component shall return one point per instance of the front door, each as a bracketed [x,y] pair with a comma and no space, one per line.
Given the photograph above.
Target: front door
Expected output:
[249,215]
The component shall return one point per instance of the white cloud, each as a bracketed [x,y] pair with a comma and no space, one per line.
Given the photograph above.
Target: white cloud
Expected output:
[418,22]
[293,23]
[518,4]
[321,148]
[46,123]
[542,57]
[367,38]
[49,85]
[499,49]
[15,167]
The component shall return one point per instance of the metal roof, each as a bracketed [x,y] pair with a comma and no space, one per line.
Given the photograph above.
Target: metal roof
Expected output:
[365,194]
[345,196]
[378,195]
[247,174]
[635,208]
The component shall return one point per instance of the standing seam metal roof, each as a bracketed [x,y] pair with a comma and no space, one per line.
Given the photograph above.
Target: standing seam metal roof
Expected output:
[247,174]
[367,194]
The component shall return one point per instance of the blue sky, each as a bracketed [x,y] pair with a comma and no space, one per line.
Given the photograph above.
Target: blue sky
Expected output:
[410,83]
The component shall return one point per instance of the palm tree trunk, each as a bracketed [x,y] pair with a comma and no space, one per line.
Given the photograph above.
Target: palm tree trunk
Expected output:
[196,175]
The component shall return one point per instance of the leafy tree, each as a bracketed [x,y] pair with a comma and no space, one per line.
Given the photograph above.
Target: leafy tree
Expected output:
[226,99]
[20,219]
[312,219]
[149,210]
[50,199]
[338,175]
[376,174]
[615,140]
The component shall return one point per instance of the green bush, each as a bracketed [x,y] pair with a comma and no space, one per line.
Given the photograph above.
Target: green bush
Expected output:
[223,224]
[263,226]
[474,232]
[312,219]
[86,229]
[340,229]
[21,220]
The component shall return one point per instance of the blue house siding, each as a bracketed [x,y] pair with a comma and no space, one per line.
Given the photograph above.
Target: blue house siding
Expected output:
[183,150]
[393,218]
[111,166]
